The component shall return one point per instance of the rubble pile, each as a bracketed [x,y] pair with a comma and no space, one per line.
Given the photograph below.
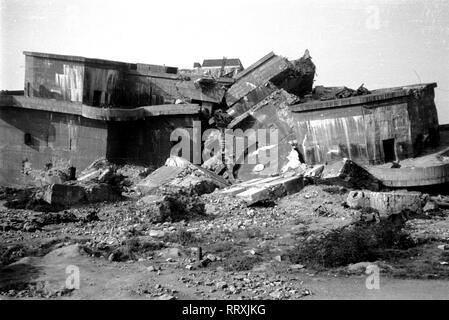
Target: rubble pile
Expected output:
[173,203]
[182,173]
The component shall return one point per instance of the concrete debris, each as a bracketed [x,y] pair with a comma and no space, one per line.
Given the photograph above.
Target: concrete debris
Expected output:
[387,203]
[72,194]
[430,206]
[329,93]
[314,172]
[52,174]
[270,72]
[171,204]
[271,112]
[182,173]
[259,189]
[348,174]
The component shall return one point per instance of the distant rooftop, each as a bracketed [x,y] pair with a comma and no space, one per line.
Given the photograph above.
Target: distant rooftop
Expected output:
[219,62]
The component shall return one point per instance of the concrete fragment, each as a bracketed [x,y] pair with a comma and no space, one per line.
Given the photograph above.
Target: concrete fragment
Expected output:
[357,199]
[430,206]
[272,190]
[295,77]
[158,178]
[100,192]
[314,172]
[156,233]
[181,173]
[348,174]
[359,267]
[386,203]
[170,253]
[64,194]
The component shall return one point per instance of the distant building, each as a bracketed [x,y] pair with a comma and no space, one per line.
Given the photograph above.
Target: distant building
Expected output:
[222,67]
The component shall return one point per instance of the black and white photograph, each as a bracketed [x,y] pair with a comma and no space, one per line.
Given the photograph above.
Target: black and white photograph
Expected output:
[253,152]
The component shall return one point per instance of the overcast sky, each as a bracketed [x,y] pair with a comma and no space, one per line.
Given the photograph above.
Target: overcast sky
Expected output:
[378,43]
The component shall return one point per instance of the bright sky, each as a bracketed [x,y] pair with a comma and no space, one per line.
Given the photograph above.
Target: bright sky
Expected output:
[378,43]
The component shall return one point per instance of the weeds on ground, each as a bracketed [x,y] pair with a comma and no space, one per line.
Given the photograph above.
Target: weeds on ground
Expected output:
[183,237]
[358,242]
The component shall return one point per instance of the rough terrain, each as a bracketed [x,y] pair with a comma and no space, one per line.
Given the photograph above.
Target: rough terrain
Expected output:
[287,248]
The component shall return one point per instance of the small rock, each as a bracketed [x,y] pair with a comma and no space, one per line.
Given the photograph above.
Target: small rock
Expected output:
[276,294]
[296,266]
[359,267]
[443,247]
[170,253]
[156,233]
[430,206]
[151,268]
[166,296]
[211,257]
[221,285]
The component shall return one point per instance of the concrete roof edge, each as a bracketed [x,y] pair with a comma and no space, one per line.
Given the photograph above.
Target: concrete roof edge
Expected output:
[96,113]
[376,95]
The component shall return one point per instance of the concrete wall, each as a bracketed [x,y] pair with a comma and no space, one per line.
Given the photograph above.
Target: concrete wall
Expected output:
[355,132]
[54,79]
[146,141]
[55,138]
[102,86]
[423,115]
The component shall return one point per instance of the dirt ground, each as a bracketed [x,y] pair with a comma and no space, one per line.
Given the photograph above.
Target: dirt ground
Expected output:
[285,249]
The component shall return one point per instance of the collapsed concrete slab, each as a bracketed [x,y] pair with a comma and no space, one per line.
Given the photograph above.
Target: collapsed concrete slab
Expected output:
[180,172]
[269,118]
[349,174]
[386,203]
[265,76]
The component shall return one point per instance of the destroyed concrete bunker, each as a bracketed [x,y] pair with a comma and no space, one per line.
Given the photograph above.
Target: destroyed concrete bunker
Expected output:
[75,110]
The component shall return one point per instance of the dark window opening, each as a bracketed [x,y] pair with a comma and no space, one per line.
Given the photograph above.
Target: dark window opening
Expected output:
[389,154]
[72,173]
[97,98]
[27,139]
[28,89]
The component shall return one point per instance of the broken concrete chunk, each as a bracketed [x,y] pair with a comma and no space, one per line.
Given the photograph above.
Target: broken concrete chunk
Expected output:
[172,204]
[180,172]
[349,174]
[430,206]
[64,194]
[71,194]
[314,172]
[295,77]
[100,192]
[386,203]
[158,178]
[272,190]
